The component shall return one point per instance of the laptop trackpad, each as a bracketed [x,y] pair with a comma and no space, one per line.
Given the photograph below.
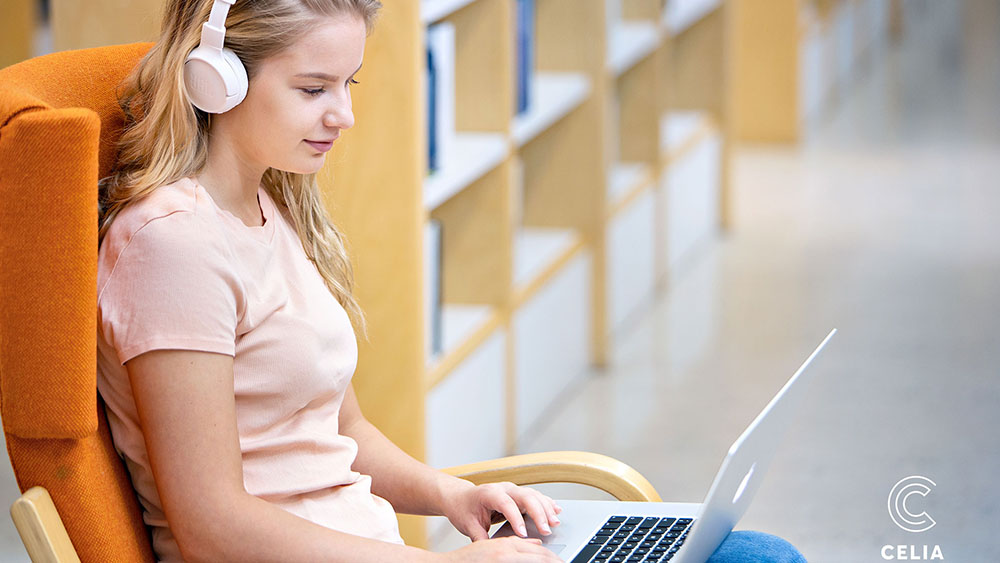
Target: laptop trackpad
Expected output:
[507,530]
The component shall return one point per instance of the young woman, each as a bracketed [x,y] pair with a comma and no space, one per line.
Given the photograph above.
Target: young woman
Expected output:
[226,337]
[226,342]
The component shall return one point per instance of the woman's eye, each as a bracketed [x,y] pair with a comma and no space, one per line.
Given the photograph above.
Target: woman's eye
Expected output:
[353,81]
[313,92]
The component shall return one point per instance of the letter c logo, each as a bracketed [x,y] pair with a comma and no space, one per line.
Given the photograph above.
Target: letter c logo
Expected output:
[901,492]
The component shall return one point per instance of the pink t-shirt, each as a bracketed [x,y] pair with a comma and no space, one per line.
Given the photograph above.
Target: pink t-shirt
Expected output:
[175,271]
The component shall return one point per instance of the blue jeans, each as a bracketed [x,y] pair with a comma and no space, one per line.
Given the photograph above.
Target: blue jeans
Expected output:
[755,547]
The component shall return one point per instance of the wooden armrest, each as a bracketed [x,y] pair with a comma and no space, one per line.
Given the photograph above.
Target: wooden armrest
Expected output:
[46,540]
[41,529]
[595,470]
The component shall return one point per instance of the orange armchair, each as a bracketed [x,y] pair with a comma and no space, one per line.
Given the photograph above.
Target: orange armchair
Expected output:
[59,124]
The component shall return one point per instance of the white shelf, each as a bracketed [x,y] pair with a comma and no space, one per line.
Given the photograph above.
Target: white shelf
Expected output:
[536,248]
[692,186]
[630,240]
[465,410]
[676,127]
[629,43]
[808,17]
[682,14]
[551,332]
[622,178]
[433,10]
[458,324]
[475,155]
[553,95]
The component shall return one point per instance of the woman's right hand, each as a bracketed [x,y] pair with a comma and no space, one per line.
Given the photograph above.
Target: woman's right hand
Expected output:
[509,549]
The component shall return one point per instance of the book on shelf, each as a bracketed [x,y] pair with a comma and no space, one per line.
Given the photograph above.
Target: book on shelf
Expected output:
[524,42]
[440,95]
[432,288]
[432,134]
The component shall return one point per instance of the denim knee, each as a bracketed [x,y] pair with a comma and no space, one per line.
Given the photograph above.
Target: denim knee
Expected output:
[755,547]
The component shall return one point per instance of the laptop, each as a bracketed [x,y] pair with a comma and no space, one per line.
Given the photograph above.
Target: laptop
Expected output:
[614,531]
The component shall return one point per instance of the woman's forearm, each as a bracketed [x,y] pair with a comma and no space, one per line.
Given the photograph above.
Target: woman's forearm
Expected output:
[251,529]
[410,486]
[413,487]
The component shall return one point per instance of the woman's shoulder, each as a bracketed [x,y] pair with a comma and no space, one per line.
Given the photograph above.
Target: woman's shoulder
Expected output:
[173,220]
[179,204]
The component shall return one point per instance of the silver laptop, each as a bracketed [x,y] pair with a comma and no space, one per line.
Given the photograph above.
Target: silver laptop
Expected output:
[611,531]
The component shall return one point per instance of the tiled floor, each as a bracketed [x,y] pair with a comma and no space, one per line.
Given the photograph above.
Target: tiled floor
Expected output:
[886,225]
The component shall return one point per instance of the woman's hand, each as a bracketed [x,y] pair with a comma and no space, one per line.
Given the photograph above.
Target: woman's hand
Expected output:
[473,509]
[506,550]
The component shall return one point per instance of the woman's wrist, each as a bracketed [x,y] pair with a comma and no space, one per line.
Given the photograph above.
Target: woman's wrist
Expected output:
[418,555]
[449,490]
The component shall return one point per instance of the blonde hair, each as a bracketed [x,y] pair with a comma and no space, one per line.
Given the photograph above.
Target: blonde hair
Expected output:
[165,138]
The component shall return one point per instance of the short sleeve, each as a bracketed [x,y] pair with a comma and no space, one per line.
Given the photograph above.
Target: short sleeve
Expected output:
[172,286]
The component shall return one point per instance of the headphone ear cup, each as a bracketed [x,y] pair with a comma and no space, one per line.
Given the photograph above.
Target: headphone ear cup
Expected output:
[239,73]
[215,81]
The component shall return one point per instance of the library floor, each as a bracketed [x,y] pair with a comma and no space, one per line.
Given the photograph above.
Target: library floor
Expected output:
[883,225]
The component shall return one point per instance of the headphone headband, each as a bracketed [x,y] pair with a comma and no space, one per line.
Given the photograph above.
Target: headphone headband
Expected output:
[213,32]
[214,76]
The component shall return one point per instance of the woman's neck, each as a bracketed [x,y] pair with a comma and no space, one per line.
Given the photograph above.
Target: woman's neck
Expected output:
[232,181]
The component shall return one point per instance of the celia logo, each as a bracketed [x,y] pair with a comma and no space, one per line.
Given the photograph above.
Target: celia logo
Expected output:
[900,495]
[911,552]
[902,514]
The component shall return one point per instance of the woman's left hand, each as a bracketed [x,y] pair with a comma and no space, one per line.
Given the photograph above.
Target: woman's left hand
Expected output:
[473,509]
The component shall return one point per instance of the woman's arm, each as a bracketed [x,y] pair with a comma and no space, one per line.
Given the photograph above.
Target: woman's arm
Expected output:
[415,488]
[187,410]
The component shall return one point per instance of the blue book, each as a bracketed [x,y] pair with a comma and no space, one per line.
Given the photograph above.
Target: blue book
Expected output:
[525,40]
[432,131]
[440,95]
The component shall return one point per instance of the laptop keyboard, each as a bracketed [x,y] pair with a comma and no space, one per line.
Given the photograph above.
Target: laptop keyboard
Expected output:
[624,539]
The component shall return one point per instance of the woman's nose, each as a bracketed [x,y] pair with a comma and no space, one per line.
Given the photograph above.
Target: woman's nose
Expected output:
[340,115]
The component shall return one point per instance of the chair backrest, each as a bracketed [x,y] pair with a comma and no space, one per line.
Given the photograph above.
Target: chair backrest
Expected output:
[59,124]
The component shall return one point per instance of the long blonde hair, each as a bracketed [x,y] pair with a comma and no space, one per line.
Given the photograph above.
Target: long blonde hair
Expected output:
[165,137]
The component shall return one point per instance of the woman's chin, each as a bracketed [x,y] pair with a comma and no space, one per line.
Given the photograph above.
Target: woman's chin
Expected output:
[303,168]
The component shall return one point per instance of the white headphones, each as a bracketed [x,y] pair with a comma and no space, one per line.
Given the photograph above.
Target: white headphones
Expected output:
[214,77]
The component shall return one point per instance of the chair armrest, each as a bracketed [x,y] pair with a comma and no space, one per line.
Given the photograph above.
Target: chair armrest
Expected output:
[584,468]
[46,540]
[41,528]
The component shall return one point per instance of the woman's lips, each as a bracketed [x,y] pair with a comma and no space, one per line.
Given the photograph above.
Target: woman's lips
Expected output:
[321,146]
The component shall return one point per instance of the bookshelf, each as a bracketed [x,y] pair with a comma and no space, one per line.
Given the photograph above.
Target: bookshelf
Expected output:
[553,94]
[554,220]
[672,96]
[625,181]
[475,154]
[794,59]
[435,10]
[629,42]
[678,16]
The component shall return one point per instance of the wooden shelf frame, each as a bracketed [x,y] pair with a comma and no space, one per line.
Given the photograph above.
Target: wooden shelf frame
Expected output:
[432,11]
[679,15]
[768,39]
[698,80]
